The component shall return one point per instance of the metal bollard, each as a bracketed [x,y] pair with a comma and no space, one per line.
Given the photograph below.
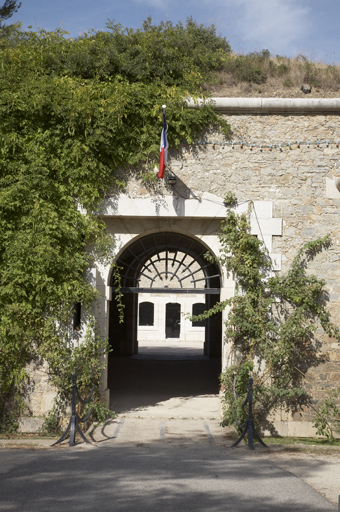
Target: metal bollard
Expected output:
[249,424]
[75,419]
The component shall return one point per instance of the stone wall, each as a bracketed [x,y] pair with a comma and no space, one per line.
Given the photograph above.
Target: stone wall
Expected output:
[39,397]
[300,181]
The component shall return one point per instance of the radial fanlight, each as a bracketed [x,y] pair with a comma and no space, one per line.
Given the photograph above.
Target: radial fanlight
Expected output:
[163,261]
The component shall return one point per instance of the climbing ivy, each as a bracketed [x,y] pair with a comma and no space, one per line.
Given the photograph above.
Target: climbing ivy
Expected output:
[272,319]
[74,113]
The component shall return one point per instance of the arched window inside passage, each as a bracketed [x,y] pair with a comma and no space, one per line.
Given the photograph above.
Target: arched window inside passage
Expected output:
[146,313]
[197,309]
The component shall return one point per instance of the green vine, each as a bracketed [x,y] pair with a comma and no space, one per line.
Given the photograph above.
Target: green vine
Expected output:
[272,320]
[87,361]
[75,113]
[118,295]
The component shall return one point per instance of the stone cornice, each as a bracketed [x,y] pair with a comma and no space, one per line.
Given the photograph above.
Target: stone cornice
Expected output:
[272,105]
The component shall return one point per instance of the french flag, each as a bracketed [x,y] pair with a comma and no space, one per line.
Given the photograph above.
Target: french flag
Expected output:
[163,148]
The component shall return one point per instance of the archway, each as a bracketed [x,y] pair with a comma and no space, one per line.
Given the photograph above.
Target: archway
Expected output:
[162,274]
[153,268]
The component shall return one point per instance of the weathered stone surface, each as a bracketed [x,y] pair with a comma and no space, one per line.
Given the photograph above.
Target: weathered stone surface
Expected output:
[29,424]
[299,182]
[39,396]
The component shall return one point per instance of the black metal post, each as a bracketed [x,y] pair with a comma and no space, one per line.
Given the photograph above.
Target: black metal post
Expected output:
[75,419]
[249,424]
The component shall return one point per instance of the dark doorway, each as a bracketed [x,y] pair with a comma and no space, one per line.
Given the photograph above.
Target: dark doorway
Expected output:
[137,383]
[172,320]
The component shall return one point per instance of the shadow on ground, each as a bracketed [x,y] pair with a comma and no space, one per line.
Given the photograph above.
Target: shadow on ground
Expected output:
[155,478]
[137,383]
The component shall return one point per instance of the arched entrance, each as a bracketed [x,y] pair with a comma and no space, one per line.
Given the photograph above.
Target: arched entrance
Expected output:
[153,268]
[162,276]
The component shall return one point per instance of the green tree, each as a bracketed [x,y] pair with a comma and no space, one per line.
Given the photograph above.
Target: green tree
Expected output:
[74,113]
[7,10]
[8,32]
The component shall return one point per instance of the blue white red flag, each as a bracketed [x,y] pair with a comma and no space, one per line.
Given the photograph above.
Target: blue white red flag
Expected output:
[163,149]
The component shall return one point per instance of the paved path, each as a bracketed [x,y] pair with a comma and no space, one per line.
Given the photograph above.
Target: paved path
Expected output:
[165,452]
[152,465]
[151,427]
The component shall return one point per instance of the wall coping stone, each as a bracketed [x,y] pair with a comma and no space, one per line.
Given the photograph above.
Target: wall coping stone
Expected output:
[270,105]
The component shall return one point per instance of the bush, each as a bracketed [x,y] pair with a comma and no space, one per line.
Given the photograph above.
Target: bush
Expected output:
[327,420]
[248,68]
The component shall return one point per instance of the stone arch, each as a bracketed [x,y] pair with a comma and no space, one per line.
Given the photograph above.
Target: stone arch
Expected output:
[159,263]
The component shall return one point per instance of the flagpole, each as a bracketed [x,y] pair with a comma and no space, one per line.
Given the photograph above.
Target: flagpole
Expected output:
[163,146]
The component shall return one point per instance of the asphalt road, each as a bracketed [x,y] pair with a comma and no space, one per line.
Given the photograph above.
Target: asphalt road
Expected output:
[169,474]
[166,452]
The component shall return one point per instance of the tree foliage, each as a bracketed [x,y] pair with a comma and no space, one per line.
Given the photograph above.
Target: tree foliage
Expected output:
[8,32]
[8,8]
[74,112]
[272,320]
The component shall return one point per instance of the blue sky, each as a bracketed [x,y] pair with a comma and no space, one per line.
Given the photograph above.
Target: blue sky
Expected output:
[284,27]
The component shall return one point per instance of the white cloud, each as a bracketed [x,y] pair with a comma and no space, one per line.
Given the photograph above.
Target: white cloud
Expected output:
[156,4]
[278,25]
